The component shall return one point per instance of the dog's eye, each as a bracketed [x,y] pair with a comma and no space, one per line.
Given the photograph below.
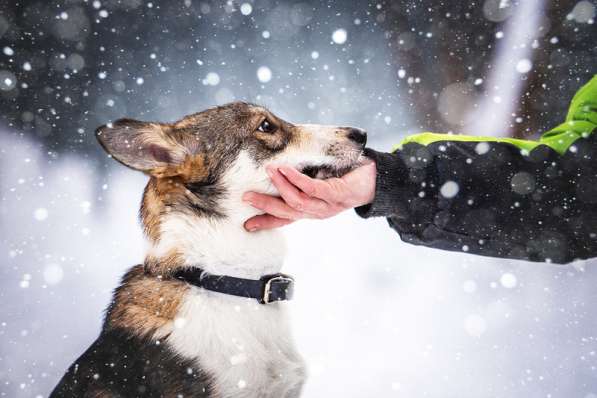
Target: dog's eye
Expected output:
[266,127]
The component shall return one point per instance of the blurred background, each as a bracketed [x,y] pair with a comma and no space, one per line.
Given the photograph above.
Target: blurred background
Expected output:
[403,321]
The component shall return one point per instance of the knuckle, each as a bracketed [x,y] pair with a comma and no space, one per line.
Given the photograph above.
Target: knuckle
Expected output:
[257,202]
[290,214]
[294,216]
[297,204]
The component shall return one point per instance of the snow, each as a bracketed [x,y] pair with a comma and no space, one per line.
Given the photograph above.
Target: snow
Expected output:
[583,12]
[523,183]
[246,9]
[264,74]
[449,189]
[212,79]
[53,274]
[339,36]
[180,323]
[524,66]
[238,358]
[508,280]
[497,10]
[476,326]
[40,214]
[8,80]
[482,148]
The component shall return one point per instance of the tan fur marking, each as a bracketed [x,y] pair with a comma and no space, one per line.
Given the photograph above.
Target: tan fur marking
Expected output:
[188,121]
[151,208]
[165,264]
[299,138]
[167,184]
[144,303]
[192,168]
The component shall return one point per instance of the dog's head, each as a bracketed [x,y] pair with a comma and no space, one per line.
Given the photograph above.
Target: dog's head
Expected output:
[206,155]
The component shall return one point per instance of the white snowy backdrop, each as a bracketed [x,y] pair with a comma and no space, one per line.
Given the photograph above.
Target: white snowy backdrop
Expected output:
[401,321]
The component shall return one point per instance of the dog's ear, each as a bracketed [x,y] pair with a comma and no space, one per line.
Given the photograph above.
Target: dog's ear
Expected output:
[143,146]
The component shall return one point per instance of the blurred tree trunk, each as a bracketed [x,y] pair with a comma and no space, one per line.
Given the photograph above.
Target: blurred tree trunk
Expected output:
[455,42]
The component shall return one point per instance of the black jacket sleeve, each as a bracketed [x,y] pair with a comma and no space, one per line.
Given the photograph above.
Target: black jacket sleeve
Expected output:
[491,198]
[501,197]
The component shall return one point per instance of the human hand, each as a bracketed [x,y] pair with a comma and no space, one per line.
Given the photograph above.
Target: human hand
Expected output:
[306,197]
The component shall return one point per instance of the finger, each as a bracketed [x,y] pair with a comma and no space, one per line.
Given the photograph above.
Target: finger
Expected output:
[311,186]
[295,198]
[272,205]
[265,221]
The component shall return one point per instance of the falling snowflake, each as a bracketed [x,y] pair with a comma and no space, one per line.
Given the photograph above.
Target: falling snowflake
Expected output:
[449,189]
[246,9]
[264,74]
[339,36]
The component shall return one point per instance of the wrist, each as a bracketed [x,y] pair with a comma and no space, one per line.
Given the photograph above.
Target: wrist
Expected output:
[369,182]
[391,179]
[361,185]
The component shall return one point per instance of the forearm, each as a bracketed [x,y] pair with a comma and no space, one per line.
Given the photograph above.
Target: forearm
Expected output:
[493,198]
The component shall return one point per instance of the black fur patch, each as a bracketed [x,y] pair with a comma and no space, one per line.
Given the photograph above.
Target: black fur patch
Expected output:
[120,365]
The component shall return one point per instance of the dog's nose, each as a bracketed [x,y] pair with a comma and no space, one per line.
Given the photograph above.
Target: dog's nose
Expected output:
[357,135]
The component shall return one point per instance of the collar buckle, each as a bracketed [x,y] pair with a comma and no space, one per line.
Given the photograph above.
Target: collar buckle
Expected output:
[278,287]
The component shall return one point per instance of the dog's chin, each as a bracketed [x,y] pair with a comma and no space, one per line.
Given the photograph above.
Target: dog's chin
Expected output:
[325,171]
[322,172]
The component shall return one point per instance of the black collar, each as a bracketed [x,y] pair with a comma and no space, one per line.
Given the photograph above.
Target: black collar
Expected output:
[270,288]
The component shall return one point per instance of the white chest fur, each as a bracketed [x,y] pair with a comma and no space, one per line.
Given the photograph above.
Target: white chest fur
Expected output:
[245,346]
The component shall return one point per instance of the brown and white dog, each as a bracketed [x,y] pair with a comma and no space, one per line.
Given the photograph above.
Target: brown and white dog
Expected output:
[163,337]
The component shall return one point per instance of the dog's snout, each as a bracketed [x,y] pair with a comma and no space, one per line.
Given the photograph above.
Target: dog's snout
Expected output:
[357,135]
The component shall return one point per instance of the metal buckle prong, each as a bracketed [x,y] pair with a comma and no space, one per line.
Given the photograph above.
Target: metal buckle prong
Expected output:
[268,286]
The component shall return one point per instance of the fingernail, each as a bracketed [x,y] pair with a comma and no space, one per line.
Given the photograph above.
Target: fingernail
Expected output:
[269,171]
[281,170]
[253,228]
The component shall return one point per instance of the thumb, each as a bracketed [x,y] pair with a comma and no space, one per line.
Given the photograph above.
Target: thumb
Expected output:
[265,221]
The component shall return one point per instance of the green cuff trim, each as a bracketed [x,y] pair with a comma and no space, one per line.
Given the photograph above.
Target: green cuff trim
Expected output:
[584,104]
[559,139]
[430,138]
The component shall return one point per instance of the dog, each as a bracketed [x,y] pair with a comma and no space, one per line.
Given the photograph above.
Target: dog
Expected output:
[203,315]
